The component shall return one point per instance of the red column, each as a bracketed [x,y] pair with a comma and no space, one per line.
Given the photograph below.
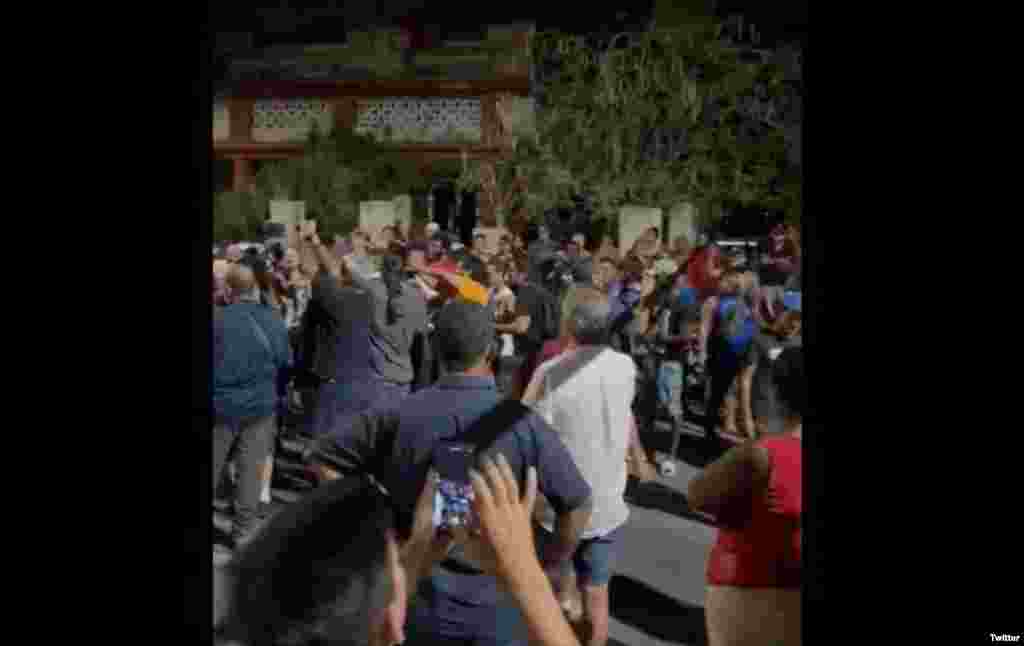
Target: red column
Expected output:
[242,175]
[241,117]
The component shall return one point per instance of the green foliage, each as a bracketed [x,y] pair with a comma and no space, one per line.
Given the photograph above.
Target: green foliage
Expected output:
[600,106]
[335,173]
[236,216]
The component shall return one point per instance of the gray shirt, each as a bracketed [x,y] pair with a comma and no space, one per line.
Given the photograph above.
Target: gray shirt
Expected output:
[391,341]
[363,266]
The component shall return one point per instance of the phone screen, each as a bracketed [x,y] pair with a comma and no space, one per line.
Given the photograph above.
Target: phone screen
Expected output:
[452,505]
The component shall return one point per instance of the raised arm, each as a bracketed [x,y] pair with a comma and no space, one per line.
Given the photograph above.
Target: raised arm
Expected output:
[323,256]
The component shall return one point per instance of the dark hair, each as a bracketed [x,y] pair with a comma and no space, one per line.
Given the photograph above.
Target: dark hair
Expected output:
[531,234]
[691,313]
[476,269]
[456,364]
[312,575]
[392,275]
[791,381]
[264,280]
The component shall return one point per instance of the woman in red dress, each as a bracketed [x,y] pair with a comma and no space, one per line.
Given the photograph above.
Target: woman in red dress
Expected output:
[755,491]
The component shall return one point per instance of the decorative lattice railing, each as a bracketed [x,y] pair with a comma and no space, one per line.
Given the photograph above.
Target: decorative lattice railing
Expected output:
[421,121]
[290,120]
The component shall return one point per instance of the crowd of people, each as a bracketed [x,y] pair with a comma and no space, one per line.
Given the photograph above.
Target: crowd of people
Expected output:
[547,357]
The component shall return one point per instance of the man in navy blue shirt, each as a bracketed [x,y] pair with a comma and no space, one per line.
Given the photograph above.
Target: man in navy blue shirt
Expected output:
[250,352]
[459,602]
[339,325]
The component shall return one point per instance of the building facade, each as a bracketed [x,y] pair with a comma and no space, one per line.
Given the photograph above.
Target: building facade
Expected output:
[428,104]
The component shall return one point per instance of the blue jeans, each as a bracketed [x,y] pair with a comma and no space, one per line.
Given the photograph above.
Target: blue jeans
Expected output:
[671,377]
[594,559]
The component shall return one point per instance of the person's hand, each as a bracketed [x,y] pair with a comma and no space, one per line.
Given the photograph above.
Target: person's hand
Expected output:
[748,426]
[647,285]
[313,239]
[503,539]
[425,547]
[522,327]
[323,473]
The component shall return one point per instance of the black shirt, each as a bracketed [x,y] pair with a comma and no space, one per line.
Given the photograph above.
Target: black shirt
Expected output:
[542,308]
[340,318]
[537,254]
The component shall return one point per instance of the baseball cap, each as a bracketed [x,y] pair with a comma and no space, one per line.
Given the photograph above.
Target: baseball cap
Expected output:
[464,330]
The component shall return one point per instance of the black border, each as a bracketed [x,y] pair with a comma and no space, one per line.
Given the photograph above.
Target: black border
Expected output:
[198,526]
[815,627]
[198,529]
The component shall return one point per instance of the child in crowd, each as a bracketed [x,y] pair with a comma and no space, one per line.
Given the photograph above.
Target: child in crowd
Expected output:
[679,334]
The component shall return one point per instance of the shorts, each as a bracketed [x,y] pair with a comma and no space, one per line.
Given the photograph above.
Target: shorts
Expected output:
[594,559]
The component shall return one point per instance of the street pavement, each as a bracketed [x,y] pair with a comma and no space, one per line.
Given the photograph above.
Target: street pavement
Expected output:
[657,594]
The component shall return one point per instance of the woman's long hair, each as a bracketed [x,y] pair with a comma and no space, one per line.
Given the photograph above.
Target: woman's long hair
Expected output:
[392,275]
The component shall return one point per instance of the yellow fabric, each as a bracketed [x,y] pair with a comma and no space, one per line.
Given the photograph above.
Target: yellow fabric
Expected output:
[470,290]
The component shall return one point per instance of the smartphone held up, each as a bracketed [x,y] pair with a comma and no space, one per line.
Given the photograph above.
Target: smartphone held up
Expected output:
[453,504]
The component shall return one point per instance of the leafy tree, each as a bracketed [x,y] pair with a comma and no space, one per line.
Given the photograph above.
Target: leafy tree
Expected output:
[336,172]
[672,114]
[236,216]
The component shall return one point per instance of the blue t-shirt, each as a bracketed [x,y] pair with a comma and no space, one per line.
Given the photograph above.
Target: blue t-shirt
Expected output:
[464,409]
[688,296]
[732,346]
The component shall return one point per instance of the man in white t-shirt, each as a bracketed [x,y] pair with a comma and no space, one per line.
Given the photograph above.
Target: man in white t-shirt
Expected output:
[585,394]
